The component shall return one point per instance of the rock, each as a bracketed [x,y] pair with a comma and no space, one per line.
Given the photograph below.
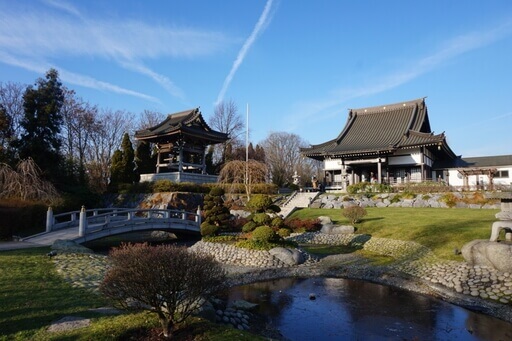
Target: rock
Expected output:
[163,235]
[240,213]
[69,323]
[206,311]
[483,252]
[337,229]
[315,204]
[70,246]
[287,256]
[324,220]
[244,305]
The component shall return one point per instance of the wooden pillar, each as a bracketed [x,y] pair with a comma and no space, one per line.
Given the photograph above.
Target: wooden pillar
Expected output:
[180,163]
[158,160]
[379,171]
[423,177]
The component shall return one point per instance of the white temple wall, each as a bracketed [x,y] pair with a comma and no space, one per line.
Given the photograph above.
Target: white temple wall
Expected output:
[502,178]
[406,159]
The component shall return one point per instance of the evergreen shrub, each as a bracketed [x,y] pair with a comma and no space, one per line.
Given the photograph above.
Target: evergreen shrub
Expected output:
[262,219]
[249,226]
[259,203]
[284,232]
[263,234]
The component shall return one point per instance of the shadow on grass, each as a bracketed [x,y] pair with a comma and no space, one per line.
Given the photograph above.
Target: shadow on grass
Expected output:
[357,243]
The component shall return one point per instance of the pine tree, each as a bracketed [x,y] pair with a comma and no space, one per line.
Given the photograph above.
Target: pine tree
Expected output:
[143,160]
[128,174]
[41,123]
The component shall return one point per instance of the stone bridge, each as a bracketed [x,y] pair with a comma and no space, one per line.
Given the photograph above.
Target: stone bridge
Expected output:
[86,225]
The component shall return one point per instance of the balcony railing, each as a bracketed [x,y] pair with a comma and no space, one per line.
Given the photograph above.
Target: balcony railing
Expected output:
[179,177]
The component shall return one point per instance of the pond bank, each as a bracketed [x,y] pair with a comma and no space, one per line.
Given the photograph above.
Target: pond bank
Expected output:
[414,268]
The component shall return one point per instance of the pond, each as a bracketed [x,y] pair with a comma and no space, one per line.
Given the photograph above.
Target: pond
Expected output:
[357,310]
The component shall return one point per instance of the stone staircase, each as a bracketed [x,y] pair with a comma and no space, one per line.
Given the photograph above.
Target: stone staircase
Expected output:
[297,200]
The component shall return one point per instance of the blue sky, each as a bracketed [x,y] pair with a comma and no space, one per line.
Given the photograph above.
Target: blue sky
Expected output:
[299,64]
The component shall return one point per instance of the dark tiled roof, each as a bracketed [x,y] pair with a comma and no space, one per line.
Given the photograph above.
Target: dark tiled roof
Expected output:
[487,161]
[381,129]
[189,123]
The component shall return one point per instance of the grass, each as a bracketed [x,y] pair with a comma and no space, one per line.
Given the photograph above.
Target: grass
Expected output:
[33,295]
[440,229]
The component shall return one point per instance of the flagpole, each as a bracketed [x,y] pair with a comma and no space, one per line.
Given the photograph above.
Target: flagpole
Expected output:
[247,146]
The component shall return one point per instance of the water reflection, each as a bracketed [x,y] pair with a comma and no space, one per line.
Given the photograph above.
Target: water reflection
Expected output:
[358,310]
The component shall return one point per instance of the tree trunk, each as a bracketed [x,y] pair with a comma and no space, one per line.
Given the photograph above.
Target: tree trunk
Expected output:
[167,327]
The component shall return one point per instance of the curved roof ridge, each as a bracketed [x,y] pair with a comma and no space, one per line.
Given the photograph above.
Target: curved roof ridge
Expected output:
[383,107]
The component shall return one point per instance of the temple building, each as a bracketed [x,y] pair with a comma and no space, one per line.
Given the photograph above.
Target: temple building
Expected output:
[389,144]
[180,142]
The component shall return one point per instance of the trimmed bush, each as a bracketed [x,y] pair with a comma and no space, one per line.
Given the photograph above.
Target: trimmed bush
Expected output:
[284,232]
[262,219]
[214,210]
[303,225]
[263,234]
[208,230]
[365,187]
[259,203]
[249,226]
[277,222]
[354,213]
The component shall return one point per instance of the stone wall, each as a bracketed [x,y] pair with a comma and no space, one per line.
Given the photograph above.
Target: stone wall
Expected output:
[394,200]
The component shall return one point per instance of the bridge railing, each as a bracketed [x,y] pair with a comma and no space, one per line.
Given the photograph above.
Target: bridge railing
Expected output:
[101,218]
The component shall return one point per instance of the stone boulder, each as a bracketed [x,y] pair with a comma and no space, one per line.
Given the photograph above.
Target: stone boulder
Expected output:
[492,254]
[240,213]
[325,220]
[337,229]
[244,305]
[65,245]
[288,256]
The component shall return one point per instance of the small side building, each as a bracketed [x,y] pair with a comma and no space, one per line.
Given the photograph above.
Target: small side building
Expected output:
[389,144]
[181,141]
[481,173]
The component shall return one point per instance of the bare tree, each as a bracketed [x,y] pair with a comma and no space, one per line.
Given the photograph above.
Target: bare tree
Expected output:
[150,119]
[283,158]
[11,107]
[26,183]
[238,172]
[165,279]
[106,137]
[226,119]
[79,121]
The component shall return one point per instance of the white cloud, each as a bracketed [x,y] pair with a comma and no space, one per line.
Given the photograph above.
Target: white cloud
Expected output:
[69,77]
[449,50]
[49,35]
[260,26]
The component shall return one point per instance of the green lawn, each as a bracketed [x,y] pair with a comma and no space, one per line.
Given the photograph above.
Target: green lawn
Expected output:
[440,229]
[33,295]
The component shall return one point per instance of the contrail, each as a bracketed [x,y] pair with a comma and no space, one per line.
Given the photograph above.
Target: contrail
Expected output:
[263,21]
[123,60]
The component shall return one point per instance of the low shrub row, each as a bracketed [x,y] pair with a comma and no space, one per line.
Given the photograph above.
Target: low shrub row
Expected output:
[170,186]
